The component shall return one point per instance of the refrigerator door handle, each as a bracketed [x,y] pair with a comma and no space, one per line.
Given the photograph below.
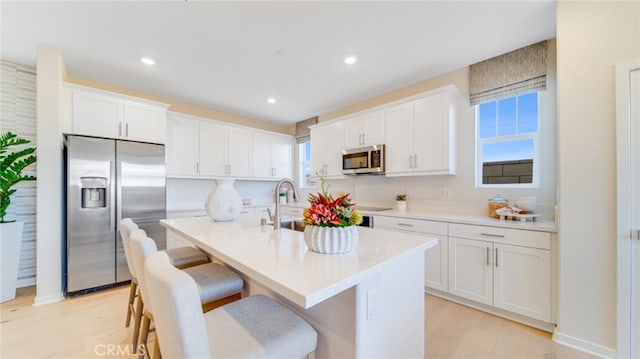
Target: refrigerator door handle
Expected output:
[118,187]
[112,188]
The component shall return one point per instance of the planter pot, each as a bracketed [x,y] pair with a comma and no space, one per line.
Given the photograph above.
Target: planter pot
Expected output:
[331,240]
[401,206]
[224,202]
[10,242]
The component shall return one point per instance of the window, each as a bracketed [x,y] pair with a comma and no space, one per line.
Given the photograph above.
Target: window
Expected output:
[507,142]
[305,178]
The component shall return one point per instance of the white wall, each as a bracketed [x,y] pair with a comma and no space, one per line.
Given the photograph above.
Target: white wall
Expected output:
[458,194]
[591,38]
[49,245]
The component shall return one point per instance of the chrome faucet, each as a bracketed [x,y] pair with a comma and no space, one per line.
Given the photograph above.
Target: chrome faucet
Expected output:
[276,216]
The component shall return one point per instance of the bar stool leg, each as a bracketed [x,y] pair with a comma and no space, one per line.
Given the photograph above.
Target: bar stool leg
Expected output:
[156,349]
[144,333]
[137,320]
[132,296]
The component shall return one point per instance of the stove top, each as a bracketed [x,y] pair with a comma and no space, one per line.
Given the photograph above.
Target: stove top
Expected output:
[372,208]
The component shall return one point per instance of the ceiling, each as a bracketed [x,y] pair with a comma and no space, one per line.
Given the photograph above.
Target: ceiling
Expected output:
[232,56]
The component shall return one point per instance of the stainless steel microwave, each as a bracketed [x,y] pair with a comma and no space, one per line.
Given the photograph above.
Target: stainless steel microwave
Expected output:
[363,160]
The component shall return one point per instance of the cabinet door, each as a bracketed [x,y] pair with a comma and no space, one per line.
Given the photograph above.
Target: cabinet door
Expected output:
[97,115]
[144,122]
[431,131]
[373,128]
[282,156]
[213,148]
[239,152]
[522,281]
[436,265]
[182,147]
[353,132]
[262,155]
[334,147]
[470,270]
[399,126]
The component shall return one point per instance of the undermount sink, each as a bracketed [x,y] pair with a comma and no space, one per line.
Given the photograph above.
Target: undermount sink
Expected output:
[295,224]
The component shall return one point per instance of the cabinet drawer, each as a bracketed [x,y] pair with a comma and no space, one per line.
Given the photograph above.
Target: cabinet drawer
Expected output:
[410,225]
[516,237]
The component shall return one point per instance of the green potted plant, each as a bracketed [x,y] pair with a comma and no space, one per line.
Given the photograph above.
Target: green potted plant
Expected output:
[12,163]
[401,202]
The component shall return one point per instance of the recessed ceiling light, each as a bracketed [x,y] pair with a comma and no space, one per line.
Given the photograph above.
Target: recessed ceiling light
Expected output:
[271,100]
[349,60]
[148,61]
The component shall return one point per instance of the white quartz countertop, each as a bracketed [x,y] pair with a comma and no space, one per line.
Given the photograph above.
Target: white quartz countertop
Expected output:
[537,225]
[280,260]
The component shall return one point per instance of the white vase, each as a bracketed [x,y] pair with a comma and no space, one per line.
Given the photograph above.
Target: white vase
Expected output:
[10,242]
[401,206]
[224,202]
[331,240]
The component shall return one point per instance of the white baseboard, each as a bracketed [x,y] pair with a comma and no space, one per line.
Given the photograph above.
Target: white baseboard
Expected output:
[41,300]
[26,282]
[583,345]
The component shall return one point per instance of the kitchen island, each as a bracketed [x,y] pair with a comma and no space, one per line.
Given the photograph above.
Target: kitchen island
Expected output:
[367,303]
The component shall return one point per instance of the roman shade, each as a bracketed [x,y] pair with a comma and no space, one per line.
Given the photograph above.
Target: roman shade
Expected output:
[303,133]
[514,73]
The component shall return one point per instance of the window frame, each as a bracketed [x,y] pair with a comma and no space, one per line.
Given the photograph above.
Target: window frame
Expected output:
[300,162]
[535,136]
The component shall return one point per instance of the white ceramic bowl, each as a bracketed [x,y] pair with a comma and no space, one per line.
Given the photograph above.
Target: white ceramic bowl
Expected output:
[529,203]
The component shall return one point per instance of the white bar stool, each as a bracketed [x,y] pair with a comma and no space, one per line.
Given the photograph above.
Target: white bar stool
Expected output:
[253,327]
[217,285]
[181,257]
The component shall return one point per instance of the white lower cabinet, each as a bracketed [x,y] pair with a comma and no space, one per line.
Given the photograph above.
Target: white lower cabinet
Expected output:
[502,268]
[470,271]
[522,281]
[510,270]
[436,258]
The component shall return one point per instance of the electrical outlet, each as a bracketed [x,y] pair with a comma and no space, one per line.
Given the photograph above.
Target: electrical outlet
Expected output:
[371,305]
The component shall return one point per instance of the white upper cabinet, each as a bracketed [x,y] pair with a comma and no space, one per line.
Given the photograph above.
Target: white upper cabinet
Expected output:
[421,136]
[272,155]
[97,115]
[205,148]
[102,114]
[144,122]
[213,149]
[224,150]
[327,143]
[364,130]
[399,149]
[182,146]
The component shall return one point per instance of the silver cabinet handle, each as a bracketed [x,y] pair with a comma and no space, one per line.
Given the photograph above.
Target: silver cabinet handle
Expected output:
[492,235]
[119,129]
[496,257]
[410,161]
[488,250]
[126,129]
[415,161]
[405,225]
[197,167]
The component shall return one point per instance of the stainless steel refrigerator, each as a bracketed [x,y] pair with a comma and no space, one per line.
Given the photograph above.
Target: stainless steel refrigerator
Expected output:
[108,180]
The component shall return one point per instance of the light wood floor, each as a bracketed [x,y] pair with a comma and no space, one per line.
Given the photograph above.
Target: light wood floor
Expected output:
[92,326]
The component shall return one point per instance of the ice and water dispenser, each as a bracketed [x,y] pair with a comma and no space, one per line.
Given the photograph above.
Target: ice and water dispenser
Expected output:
[94,192]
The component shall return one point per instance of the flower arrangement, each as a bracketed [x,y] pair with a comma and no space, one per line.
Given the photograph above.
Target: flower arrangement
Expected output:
[327,211]
[401,197]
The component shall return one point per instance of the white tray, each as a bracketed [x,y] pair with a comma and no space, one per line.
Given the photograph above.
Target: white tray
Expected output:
[521,217]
